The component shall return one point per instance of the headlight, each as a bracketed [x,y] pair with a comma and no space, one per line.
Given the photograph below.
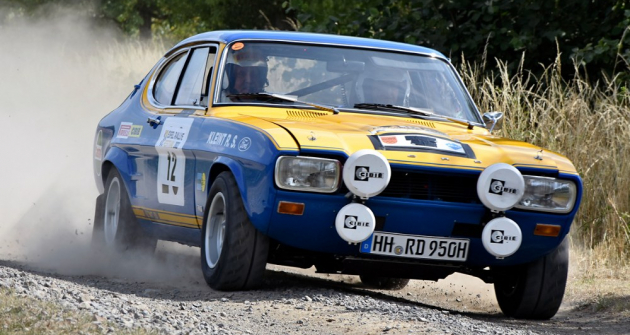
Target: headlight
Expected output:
[548,195]
[307,174]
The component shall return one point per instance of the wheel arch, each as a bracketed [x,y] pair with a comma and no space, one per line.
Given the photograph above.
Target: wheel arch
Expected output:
[118,159]
[236,168]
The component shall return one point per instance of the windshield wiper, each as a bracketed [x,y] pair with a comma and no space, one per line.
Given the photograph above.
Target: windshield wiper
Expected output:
[270,97]
[413,110]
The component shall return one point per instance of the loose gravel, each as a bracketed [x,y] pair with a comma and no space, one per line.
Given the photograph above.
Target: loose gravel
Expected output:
[285,305]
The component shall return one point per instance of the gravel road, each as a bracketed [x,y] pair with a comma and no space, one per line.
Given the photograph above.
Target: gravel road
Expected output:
[138,295]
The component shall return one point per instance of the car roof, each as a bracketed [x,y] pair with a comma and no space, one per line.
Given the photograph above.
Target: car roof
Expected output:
[228,36]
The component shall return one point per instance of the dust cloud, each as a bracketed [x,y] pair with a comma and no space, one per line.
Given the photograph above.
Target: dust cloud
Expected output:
[58,77]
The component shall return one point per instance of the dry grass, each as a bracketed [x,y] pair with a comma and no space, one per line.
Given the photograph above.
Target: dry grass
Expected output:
[588,123]
[22,315]
[595,287]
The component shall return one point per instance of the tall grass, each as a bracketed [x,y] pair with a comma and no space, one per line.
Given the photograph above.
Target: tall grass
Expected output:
[587,122]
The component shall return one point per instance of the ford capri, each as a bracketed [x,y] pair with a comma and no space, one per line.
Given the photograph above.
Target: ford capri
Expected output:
[350,155]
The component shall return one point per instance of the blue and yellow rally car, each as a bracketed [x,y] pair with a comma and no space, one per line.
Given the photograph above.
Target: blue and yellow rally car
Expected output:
[356,156]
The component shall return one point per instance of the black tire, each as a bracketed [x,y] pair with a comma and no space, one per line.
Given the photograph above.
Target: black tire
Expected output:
[534,290]
[115,226]
[233,252]
[384,283]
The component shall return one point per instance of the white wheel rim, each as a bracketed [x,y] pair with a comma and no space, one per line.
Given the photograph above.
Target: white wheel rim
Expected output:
[215,230]
[112,211]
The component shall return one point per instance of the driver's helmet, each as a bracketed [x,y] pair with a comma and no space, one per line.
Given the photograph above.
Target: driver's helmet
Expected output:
[384,86]
[245,70]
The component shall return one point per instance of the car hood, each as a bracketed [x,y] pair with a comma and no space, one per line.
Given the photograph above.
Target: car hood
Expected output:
[346,133]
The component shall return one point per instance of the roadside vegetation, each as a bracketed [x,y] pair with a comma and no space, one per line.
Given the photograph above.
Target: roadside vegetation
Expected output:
[587,122]
[23,315]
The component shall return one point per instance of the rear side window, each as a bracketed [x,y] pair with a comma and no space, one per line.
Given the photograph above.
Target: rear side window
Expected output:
[167,82]
[192,87]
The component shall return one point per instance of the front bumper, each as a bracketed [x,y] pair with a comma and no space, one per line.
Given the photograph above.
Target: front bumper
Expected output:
[315,229]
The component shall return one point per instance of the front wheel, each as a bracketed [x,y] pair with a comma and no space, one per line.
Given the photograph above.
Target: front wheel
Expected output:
[233,252]
[534,290]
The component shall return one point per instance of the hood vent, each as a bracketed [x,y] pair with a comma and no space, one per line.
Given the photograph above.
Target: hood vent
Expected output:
[421,122]
[301,114]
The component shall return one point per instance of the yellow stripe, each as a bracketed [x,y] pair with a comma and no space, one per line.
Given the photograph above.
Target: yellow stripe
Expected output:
[165,212]
[184,220]
[169,222]
[176,218]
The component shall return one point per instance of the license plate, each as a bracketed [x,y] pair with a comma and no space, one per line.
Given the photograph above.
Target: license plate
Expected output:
[414,246]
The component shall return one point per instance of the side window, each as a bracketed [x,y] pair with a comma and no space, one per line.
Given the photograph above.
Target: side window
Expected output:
[190,90]
[167,81]
[205,90]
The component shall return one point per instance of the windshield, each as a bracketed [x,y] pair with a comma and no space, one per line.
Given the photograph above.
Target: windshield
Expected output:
[342,78]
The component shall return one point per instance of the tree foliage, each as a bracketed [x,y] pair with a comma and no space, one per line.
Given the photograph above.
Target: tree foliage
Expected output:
[176,19]
[592,33]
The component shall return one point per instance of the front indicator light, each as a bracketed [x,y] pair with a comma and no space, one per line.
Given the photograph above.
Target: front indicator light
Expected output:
[310,174]
[547,194]
[547,230]
[293,208]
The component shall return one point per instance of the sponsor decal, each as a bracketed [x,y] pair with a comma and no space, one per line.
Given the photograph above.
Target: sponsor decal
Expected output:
[222,139]
[414,129]
[201,182]
[498,187]
[174,138]
[244,144]
[420,141]
[98,146]
[124,130]
[352,222]
[453,145]
[136,131]
[498,236]
[389,139]
[362,173]
[172,160]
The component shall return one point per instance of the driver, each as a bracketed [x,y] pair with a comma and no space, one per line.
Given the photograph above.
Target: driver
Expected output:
[245,72]
[386,92]
[387,87]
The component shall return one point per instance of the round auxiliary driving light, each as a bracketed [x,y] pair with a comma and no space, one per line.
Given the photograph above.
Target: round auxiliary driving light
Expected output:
[501,237]
[500,186]
[366,173]
[355,223]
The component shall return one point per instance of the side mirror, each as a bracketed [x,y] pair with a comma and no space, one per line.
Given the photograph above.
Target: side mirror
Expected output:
[493,120]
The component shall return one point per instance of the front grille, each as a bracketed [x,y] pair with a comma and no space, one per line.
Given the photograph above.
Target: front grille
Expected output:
[434,187]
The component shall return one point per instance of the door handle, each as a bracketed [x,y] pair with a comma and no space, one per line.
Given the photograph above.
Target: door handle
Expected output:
[154,121]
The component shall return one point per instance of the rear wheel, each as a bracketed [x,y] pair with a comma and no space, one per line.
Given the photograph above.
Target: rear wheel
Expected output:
[534,290]
[384,283]
[115,226]
[233,252]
